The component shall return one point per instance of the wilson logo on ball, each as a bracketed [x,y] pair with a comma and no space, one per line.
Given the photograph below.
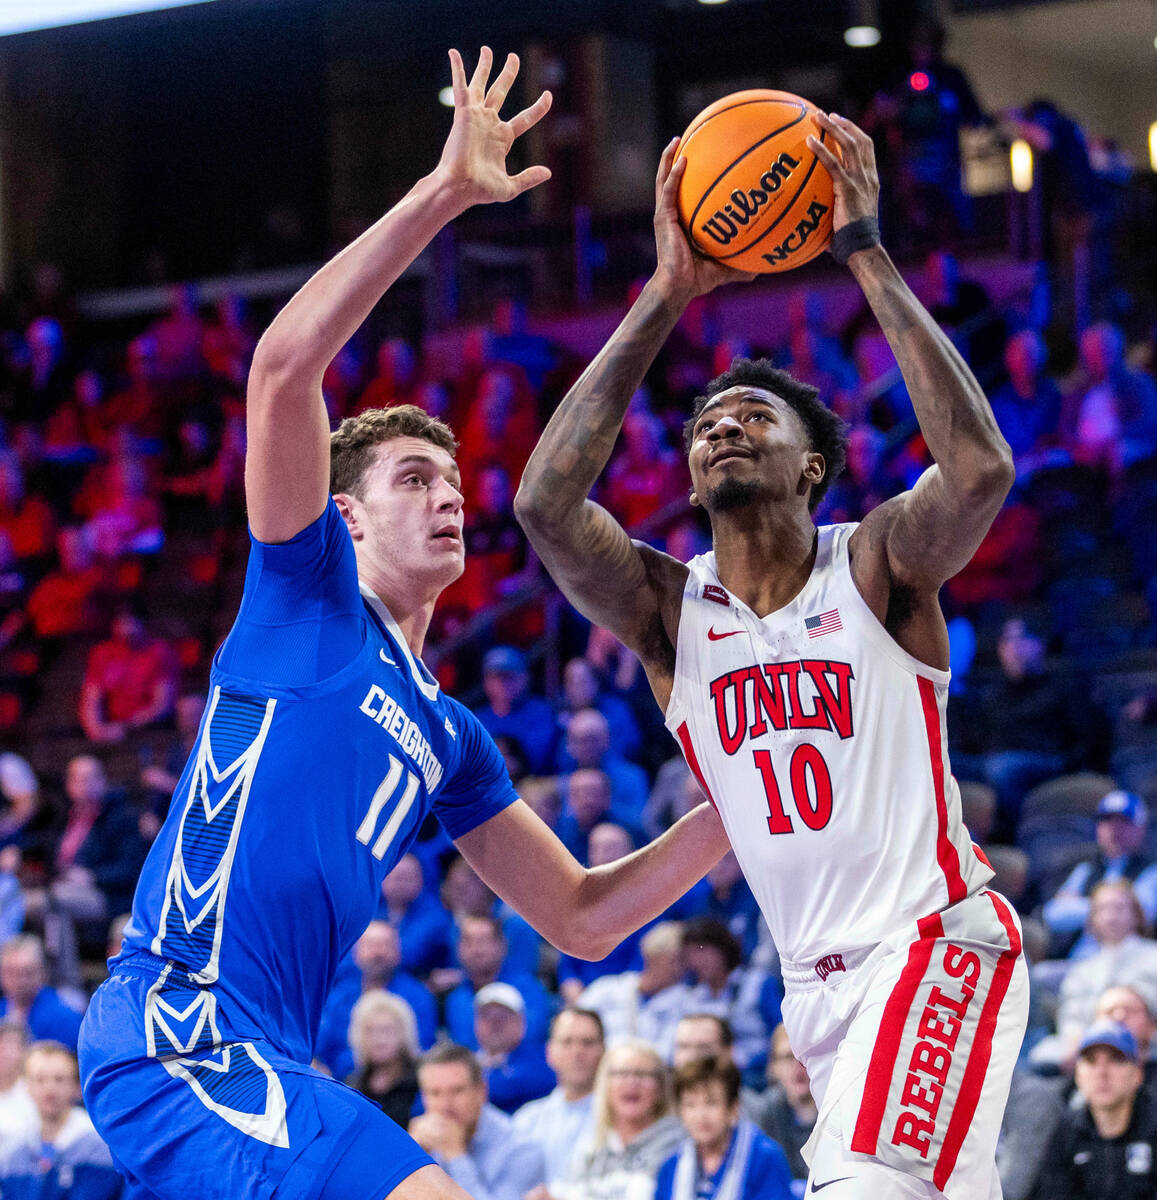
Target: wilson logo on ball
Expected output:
[724,226]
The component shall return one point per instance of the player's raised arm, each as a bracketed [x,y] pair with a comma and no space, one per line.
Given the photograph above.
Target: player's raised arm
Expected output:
[610,579]
[932,531]
[287,465]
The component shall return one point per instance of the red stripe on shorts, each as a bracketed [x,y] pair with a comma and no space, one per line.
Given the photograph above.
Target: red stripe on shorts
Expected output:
[946,854]
[684,736]
[892,1023]
[978,1059]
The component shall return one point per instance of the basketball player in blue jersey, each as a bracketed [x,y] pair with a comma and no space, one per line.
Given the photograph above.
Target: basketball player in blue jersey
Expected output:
[324,746]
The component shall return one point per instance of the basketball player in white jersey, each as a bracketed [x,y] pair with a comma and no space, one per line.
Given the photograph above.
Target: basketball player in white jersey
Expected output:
[804,673]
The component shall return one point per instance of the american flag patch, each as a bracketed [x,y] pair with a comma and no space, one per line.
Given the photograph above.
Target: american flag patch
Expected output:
[826,622]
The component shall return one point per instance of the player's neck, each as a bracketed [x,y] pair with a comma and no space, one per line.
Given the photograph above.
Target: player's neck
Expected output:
[764,556]
[410,608]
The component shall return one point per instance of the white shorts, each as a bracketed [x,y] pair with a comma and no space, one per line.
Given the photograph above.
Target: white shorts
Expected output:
[910,1047]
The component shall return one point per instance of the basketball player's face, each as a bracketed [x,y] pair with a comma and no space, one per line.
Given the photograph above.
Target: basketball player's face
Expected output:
[748,446]
[408,521]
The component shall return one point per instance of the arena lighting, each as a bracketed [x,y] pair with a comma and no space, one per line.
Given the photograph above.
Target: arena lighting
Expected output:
[446,96]
[21,16]
[1153,145]
[918,81]
[712,1]
[863,28]
[861,36]
[1020,159]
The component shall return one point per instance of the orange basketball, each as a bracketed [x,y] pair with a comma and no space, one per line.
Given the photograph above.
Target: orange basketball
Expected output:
[753,195]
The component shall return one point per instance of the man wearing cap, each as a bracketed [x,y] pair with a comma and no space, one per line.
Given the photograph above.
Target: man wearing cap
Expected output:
[513,1065]
[1106,1150]
[513,710]
[1121,824]
[474,1143]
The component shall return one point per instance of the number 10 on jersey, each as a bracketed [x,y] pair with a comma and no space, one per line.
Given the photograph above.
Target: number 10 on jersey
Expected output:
[811,789]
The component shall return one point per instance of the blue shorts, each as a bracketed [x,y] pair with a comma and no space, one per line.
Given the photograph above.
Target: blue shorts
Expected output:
[189,1111]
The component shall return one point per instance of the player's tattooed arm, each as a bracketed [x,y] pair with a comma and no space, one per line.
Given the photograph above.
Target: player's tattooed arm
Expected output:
[287,463]
[621,585]
[935,530]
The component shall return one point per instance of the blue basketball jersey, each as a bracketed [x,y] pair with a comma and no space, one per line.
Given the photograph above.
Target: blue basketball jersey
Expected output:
[323,747]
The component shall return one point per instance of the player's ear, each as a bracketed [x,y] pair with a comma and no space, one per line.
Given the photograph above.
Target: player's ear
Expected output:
[814,468]
[345,506]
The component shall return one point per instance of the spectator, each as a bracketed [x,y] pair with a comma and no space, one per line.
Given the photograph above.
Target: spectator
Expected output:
[376,956]
[425,928]
[131,679]
[18,1115]
[1137,1011]
[607,843]
[561,1121]
[1122,820]
[646,1004]
[1134,757]
[589,803]
[396,380]
[1114,421]
[1028,407]
[634,1130]
[514,1066]
[123,517]
[1022,729]
[384,1039]
[12,907]
[1031,1116]
[582,688]
[787,1112]
[27,520]
[63,1156]
[589,743]
[162,765]
[1105,1150]
[512,708]
[474,1143]
[482,953]
[702,1035]
[20,804]
[501,427]
[645,475]
[1124,958]
[26,998]
[495,545]
[101,852]
[465,895]
[720,984]
[674,793]
[865,481]
[730,900]
[63,603]
[723,1154]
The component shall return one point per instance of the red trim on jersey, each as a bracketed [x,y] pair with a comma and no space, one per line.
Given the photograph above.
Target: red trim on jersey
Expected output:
[981,855]
[684,736]
[883,1063]
[978,1058]
[946,854]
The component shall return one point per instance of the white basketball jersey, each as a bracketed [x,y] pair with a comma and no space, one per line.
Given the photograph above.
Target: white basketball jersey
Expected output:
[822,745]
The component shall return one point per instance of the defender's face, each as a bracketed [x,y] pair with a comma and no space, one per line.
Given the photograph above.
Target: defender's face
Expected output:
[749,444]
[410,513]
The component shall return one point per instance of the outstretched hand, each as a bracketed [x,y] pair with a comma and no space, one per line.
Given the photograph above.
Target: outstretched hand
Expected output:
[854,179]
[473,160]
[681,268]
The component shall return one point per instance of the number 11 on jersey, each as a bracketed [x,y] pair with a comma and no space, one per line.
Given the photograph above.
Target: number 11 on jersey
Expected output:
[386,789]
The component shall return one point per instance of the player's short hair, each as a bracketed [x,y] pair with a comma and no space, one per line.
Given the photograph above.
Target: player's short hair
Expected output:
[826,431]
[351,445]
[451,1052]
[699,1071]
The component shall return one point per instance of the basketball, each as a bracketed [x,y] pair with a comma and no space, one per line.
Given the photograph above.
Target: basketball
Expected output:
[753,195]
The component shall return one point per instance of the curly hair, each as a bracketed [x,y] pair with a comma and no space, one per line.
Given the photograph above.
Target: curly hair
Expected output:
[351,445]
[827,432]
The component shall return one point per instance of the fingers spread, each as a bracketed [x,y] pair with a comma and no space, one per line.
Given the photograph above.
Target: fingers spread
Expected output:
[529,117]
[481,73]
[458,78]
[833,164]
[501,86]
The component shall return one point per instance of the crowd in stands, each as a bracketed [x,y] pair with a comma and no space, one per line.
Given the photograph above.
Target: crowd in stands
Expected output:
[662,1070]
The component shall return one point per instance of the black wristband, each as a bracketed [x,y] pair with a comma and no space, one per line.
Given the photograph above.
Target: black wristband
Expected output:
[856,235]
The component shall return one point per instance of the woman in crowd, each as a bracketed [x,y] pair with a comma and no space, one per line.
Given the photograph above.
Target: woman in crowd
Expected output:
[384,1040]
[634,1129]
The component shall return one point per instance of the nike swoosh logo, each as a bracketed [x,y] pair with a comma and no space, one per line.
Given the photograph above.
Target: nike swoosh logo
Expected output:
[819,1187]
[716,637]
[386,659]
